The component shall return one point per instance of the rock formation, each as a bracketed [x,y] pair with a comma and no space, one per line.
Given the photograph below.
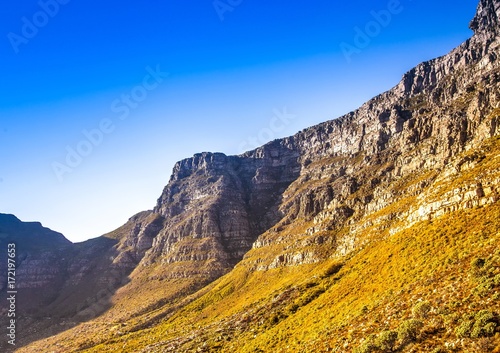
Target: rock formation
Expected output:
[297,200]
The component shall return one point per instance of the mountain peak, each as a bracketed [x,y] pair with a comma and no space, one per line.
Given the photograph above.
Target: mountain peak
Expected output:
[487,19]
[12,229]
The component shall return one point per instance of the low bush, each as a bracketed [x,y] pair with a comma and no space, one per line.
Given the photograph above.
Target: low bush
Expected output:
[386,341]
[421,310]
[368,346]
[482,324]
[409,330]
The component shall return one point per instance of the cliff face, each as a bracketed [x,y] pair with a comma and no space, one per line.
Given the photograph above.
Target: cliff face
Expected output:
[487,19]
[354,166]
[216,206]
[418,152]
[306,198]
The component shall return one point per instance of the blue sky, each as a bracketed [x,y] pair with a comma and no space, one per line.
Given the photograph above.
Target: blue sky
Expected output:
[99,100]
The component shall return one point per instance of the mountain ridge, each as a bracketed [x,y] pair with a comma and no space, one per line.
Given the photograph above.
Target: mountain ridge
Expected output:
[313,200]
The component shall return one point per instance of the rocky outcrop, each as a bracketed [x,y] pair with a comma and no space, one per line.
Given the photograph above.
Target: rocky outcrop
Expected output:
[487,19]
[353,168]
[216,206]
[39,254]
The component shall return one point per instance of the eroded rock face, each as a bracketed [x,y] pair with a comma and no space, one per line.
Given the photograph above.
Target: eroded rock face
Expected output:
[351,166]
[335,173]
[215,206]
[38,251]
[487,19]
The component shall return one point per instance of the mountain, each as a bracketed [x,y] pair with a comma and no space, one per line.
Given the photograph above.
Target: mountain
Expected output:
[56,279]
[373,232]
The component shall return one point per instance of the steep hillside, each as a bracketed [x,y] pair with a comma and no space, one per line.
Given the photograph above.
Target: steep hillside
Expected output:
[377,231]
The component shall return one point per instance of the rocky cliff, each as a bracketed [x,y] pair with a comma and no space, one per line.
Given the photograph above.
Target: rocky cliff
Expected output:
[421,152]
[216,206]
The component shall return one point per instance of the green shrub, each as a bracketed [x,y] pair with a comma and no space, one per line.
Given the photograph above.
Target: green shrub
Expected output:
[485,286]
[484,316]
[438,350]
[368,346]
[409,330]
[476,267]
[421,310]
[276,318]
[386,341]
[293,308]
[309,296]
[483,324]
[477,264]
[486,275]
[332,270]
[464,329]
[496,280]
[365,348]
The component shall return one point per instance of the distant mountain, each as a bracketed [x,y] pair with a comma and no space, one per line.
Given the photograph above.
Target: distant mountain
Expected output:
[60,283]
[374,232]
[30,234]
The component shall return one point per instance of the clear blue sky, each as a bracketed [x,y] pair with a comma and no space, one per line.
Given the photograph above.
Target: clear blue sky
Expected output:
[72,67]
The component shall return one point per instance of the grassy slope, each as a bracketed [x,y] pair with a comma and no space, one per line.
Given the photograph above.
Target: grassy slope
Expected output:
[306,310]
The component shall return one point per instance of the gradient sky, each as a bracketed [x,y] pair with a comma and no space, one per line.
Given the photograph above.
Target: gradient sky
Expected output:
[68,67]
